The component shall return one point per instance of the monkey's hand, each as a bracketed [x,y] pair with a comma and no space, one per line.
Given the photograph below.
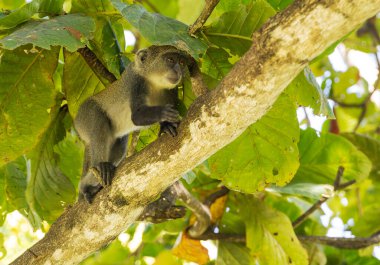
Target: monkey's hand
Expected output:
[169,128]
[107,172]
[169,114]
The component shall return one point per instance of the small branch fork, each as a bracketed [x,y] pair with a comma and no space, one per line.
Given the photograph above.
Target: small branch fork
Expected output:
[337,186]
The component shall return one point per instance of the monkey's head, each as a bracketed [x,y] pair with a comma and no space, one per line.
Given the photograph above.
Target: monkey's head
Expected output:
[162,66]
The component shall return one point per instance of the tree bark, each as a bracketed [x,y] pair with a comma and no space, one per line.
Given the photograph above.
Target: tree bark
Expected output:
[280,50]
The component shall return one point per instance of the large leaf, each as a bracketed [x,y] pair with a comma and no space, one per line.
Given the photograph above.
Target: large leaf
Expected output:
[70,151]
[215,63]
[49,191]
[371,148]
[79,81]
[108,31]
[26,12]
[161,30]
[305,90]
[11,4]
[321,157]
[26,94]
[233,29]
[70,31]
[233,254]
[12,188]
[265,153]
[270,235]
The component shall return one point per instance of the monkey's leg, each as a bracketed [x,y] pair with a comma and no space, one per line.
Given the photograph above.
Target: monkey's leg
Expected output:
[119,150]
[99,153]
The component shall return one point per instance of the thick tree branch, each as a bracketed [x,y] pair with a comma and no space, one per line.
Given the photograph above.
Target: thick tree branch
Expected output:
[280,50]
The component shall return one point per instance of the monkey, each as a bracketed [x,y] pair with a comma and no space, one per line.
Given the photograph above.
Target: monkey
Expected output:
[145,94]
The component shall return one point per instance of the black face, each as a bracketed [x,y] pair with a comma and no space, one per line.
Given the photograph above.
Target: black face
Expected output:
[176,63]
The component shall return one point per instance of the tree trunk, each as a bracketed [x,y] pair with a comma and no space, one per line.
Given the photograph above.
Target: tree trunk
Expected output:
[280,50]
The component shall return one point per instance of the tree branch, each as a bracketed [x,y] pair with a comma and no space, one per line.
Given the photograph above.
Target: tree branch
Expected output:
[280,50]
[338,242]
[206,12]
[96,65]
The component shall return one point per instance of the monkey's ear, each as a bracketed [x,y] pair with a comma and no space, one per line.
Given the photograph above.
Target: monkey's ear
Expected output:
[141,55]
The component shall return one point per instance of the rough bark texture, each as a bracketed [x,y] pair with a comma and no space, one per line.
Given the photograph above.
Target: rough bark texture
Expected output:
[279,52]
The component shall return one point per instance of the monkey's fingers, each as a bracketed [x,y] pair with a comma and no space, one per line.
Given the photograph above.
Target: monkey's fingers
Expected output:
[170,116]
[107,172]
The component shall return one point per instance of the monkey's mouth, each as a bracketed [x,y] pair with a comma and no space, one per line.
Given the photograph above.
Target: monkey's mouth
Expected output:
[174,79]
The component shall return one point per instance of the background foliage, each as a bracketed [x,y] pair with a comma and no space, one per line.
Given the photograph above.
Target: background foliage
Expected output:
[275,170]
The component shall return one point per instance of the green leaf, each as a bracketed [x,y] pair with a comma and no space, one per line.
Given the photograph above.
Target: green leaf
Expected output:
[215,63]
[265,153]
[307,190]
[196,7]
[161,30]
[20,15]
[270,235]
[15,184]
[91,7]
[233,254]
[70,31]
[49,191]
[104,44]
[11,4]
[79,81]
[371,148]
[70,151]
[305,90]
[26,94]
[321,157]
[344,80]
[233,29]
[368,223]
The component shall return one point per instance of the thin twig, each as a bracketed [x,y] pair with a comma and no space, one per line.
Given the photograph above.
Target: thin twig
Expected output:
[216,195]
[338,242]
[317,205]
[347,243]
[206,12]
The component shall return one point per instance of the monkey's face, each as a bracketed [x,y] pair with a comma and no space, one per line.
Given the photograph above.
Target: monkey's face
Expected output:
[163,66]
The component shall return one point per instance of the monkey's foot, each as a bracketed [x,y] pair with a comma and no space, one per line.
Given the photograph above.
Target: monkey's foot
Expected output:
[89,192]
[169,128]
[107,172]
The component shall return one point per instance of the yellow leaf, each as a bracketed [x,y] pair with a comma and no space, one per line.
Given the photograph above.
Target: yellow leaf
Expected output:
[191,250]
[217,209]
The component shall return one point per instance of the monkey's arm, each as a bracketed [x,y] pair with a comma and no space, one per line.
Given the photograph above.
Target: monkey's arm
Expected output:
[143,115]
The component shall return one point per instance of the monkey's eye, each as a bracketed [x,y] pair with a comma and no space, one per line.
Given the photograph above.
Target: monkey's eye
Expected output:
[170,60]
[182,62]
